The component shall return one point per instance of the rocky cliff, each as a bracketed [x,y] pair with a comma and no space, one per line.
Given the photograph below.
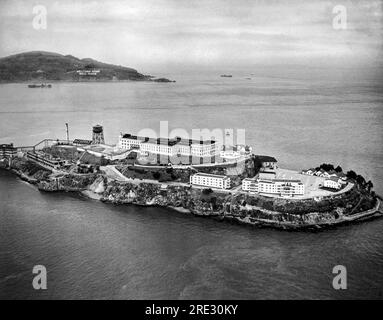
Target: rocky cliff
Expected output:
[251,209]
[68,182]
[354,204]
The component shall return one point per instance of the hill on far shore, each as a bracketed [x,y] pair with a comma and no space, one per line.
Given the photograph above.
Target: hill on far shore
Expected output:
[45,66]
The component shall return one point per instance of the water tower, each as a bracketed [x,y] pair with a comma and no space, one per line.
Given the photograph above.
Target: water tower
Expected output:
[98,135]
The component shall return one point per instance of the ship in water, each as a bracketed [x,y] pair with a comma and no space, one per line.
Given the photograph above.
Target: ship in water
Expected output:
[42,85]
[226,75]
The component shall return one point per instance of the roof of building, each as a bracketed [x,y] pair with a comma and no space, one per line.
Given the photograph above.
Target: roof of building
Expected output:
[7,146]
[287,180]
[82,141]
[210,175]
[167,141]
[279,180]
[272,181]
[160,141]
[267,175]
[335,179]
[263,158]
[265,181]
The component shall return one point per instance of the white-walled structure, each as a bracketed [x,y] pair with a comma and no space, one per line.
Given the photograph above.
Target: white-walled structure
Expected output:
[210,180]
[250,185]
[169,147]
[332,183]
[282,187]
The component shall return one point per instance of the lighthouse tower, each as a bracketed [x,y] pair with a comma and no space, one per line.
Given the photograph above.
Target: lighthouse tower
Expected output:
[98,135]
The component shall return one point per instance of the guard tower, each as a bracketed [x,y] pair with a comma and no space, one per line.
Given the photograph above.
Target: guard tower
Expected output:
[98,135]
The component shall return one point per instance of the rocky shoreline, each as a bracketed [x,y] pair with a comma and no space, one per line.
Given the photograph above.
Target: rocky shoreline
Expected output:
[254,210]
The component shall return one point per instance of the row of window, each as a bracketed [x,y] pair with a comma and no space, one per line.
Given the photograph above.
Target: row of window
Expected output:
[272,188]
[210,181]
[206,151]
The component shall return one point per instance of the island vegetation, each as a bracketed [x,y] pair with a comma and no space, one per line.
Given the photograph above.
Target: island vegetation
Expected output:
[41,66]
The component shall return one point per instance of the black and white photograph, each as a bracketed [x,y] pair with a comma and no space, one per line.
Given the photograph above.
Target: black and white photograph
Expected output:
[213,151]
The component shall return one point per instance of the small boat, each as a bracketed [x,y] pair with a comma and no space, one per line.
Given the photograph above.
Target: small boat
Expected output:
[43,85]
[226,75]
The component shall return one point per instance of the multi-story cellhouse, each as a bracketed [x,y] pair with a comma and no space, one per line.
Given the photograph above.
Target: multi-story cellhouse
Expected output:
[210,180]
[281,187]
[170,147]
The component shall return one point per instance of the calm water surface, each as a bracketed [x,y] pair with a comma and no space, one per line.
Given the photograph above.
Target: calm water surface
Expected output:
[94,250]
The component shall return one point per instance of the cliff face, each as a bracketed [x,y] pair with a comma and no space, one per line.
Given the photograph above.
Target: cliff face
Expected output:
[150,194]
[28,170]
[250,209]
[68,182]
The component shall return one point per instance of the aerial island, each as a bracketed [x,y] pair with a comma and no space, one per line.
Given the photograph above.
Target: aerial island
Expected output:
[40,67]
[201,177]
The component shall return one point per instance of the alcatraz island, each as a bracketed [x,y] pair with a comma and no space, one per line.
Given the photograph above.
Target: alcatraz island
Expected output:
[194,176]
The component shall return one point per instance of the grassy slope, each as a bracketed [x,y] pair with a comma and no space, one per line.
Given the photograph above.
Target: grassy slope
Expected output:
[28,66]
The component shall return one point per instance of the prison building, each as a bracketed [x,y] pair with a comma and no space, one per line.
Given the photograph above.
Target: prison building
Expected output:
[210,180]
[281,187]
[170,147]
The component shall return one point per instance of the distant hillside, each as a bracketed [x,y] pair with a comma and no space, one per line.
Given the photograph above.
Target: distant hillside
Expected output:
[45,66]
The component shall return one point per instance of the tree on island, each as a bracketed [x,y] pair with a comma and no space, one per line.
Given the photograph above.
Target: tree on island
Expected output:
[156,175]
[338,169]
[169,170]
[207,191]
[326,166]
[351,174]
[360,180]
[257,163]
[369,185]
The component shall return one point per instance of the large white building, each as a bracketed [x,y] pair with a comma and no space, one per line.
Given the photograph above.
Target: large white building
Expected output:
[170,147]
[281,187]
[210,180]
